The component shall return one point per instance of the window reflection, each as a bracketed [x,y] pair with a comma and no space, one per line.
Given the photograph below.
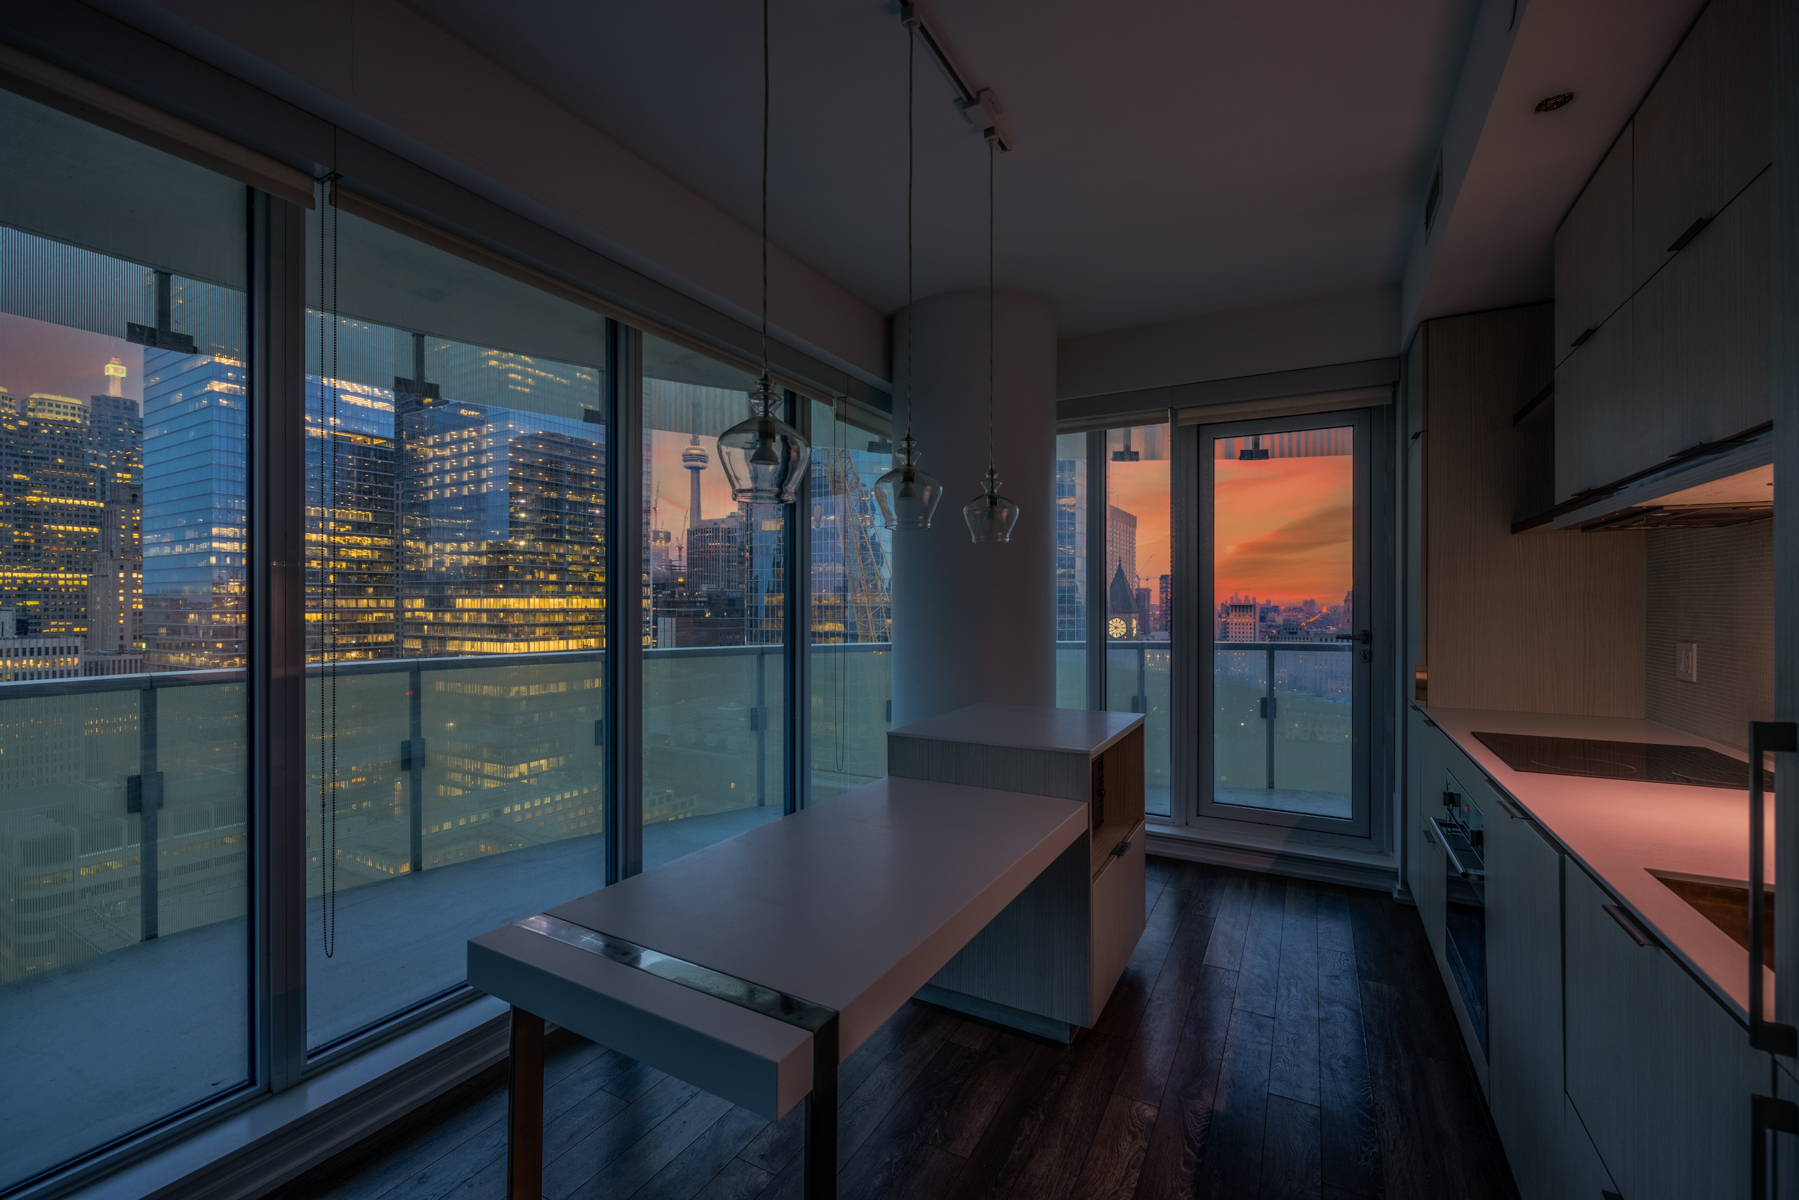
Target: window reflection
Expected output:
[124,986]
[456,608]
[714,623]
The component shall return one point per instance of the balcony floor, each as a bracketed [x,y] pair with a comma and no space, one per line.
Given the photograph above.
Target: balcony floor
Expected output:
[142,1031]
[1271,1037]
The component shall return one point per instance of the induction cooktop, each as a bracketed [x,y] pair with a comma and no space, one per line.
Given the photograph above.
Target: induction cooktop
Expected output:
[1648,762]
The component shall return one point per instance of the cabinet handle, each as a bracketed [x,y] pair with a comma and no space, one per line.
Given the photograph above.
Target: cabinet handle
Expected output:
[1765,737]
[1511,810]
[1629,924]
[1119,850]
[1455,860]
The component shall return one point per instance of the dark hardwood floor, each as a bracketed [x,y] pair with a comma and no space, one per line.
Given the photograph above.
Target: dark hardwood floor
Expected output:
[1271,1038]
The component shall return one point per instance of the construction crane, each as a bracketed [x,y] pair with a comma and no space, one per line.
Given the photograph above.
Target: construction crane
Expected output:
[867,598]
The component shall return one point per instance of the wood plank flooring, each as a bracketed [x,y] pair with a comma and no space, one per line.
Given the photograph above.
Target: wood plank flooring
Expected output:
[1271,1038]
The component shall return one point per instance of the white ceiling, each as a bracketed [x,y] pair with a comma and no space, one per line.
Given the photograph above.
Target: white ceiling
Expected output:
[1172,158]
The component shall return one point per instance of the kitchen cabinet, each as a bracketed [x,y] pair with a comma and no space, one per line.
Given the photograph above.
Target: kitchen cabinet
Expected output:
[1583,1175]
[1702,133]
[1701,331]
[1658,1072]
[1524,993]
[1684,361]
[1596,437]
[1664,257]
[1425,771]
[1593,250]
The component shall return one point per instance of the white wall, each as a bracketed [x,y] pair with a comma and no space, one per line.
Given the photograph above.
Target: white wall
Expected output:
[1312,332]
[386,73]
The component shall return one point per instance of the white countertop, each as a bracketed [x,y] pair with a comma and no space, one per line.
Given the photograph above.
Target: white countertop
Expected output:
[1620,830]
[1074,730]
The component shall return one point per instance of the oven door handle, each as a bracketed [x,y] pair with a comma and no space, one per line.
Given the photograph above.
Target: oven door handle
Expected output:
[1455,860]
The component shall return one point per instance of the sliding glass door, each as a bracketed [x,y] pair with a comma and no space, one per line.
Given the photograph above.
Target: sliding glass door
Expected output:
[1283,565]
[125,885]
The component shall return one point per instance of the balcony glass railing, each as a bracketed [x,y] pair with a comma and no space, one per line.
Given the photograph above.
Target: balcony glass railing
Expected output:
[470,792]
[1282,726]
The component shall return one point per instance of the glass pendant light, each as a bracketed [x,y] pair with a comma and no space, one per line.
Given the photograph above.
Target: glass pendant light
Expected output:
[990,516]
[764,457]
[908,494]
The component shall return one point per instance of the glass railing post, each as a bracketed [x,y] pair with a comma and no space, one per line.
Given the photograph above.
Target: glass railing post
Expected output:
[149,803]
[1269,714]
[415,761]
[759,724]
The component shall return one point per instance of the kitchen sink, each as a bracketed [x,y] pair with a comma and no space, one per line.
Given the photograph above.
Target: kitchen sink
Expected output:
[1725,903]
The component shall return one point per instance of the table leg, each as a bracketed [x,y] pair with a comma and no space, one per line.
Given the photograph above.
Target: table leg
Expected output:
[524,1109]
[820,1179]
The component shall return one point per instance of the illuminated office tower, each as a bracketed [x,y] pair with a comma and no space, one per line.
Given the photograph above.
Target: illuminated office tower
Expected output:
[195,583]
[1071,549]
[764,574]
[351,580]
[502,523]
[115,586]
[50,513]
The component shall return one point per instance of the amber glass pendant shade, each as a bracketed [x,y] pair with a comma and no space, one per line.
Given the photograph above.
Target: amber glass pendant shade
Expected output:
[764,457]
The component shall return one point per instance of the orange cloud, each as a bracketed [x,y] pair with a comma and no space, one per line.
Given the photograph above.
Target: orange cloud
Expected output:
[1283,529]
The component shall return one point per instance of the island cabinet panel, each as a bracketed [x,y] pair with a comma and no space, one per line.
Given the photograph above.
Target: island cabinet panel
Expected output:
[1049,962]
[1702,133]
[1524,994]
[1658,1071]
[1593,251]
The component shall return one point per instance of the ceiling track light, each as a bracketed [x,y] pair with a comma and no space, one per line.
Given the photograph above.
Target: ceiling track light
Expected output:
[764,457]
[979,106]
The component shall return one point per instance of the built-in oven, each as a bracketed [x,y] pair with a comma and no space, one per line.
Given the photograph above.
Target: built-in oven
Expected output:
[1460,829]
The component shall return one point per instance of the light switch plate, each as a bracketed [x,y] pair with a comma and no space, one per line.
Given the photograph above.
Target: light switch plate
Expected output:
[1686,662]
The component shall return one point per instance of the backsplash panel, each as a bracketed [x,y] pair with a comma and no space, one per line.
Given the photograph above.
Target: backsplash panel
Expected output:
[1714,587]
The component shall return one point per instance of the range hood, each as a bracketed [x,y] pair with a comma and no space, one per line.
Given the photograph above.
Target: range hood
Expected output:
[1711,485]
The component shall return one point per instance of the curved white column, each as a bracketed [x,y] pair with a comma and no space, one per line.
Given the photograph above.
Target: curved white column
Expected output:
[977,624]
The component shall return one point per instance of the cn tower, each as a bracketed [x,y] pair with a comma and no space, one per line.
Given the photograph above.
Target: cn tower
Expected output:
[694,458]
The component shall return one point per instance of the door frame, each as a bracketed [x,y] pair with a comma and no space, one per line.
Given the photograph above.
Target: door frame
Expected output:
[1193,488]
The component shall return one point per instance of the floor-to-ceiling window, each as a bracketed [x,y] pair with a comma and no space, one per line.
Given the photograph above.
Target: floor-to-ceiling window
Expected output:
[124,945]
[1114,585]
[456,475]
[1138,594]
[1284,564]
[714,617]
[1071,570]
[851,603]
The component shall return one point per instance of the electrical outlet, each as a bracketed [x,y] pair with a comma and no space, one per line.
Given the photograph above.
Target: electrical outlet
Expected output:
[1686,662]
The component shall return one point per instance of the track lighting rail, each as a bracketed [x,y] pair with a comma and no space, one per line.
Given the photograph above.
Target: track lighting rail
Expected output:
[978,105]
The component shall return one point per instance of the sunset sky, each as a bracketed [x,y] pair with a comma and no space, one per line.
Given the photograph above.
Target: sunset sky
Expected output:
[36,356]
[1141,488]
[675,480]
[1283,527]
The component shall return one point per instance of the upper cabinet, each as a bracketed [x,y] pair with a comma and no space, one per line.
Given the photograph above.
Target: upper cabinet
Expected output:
[1702,132]
[1593,251]
[1661,267]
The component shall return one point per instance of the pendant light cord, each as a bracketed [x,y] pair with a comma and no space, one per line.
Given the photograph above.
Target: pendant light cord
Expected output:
[765,94]
[990,470]
[911,50]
